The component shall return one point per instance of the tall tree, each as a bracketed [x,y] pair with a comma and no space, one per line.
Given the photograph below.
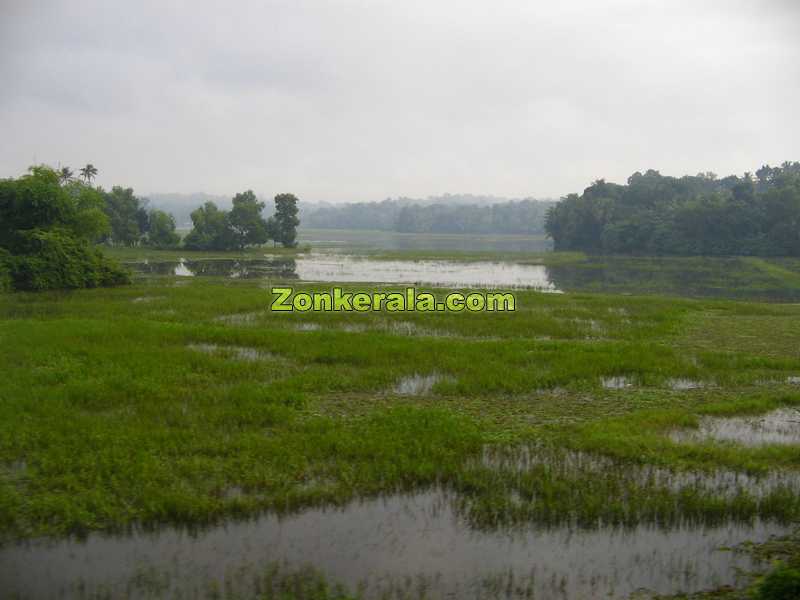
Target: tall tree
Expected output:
[286,220]
[211,231]
[245,219]
[89,172]
[161,233]
[127,215]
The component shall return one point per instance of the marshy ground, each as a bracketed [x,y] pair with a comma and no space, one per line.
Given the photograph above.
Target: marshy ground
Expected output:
[146,431]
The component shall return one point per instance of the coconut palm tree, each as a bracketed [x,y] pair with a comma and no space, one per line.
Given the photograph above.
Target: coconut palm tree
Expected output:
[89,172]
[65,175]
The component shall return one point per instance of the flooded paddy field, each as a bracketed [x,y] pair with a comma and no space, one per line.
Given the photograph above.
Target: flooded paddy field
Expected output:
[335,268]
[735,278]
[176,438]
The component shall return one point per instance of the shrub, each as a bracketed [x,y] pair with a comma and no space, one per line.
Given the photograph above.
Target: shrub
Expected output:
[55,260]
[781,584]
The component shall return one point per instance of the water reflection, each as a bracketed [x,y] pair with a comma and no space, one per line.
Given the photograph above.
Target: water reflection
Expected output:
[387,546]
[429,272]
[282,268]
[334,268]
[696,278]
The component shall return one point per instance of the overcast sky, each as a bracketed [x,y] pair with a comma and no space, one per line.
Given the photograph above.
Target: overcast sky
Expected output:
[345,100]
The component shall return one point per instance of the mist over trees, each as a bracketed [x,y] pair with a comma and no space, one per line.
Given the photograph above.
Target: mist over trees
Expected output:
[690,215]
[443,214]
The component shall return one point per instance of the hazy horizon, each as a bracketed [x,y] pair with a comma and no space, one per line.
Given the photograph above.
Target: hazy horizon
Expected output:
[359,101]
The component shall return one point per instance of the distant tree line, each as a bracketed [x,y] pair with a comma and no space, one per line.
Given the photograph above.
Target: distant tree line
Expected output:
[690,215]
[133,224]
[439,216]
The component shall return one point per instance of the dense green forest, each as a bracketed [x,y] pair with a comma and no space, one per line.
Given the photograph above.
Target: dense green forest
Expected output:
[690,215]
[447,214]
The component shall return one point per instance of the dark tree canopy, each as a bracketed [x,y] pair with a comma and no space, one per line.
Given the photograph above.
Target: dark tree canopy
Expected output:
[691,215]
[285,220]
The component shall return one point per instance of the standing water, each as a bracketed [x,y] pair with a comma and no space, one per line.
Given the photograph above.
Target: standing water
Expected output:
[341,268]
[389,547]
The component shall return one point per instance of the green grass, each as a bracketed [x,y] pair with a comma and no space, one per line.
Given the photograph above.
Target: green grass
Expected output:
[116,409]
[108,415]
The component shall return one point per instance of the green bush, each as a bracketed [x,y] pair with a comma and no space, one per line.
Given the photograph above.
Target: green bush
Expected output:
[781,584]
[48,231]
[56,260]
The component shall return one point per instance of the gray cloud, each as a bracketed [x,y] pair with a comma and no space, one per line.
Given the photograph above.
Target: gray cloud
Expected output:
[347,100]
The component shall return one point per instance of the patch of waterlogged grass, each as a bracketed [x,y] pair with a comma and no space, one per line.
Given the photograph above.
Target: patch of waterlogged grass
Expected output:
[780,426]
[236,352]
[682,384]
[118,421]
[248,318]
[554,486]
[416,384]
[648,437]
[619,382]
